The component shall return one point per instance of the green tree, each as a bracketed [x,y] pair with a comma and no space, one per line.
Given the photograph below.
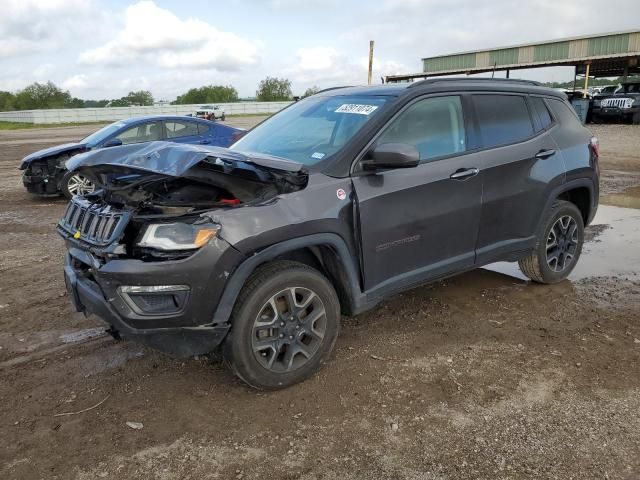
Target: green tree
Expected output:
[95,103]
[310,91]
[140,98]
[7,101]
[42,95]
[273,89]
[208,94]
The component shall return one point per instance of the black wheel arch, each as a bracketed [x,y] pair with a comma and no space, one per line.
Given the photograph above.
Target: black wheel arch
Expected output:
[581,192]
[327,252]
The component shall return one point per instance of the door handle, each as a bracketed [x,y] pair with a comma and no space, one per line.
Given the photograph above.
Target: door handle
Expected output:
[542,154]
[204,142]
[464,173]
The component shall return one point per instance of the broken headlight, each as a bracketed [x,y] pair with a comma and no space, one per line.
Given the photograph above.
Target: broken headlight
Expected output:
[178,236]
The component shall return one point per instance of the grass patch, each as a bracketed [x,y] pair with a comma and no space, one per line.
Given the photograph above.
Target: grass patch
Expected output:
[20,125]
[231,115]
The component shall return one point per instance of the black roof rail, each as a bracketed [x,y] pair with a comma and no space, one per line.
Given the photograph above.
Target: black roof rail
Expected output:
[332,88]
[429,81]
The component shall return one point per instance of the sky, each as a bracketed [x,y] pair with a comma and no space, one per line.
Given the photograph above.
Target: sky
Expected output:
[104,49]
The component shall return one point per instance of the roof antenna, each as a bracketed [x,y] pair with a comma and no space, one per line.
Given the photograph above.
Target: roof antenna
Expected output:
[494,69]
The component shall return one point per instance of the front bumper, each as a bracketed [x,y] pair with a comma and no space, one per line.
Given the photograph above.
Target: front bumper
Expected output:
[94,287]
[615,112]
[40,184]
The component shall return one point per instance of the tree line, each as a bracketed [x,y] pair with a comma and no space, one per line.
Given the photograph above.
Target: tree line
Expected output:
[48,95]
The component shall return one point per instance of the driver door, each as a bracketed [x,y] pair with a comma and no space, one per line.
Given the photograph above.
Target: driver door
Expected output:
[420,223]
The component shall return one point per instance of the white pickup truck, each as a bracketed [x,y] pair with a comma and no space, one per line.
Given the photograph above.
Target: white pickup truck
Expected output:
[211,112]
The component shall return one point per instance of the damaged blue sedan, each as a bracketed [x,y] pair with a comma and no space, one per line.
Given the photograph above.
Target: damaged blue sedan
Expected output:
[45,172]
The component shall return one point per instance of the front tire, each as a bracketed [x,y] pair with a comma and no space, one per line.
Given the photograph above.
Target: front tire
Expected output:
[74,183]
[284,325]
[558,245]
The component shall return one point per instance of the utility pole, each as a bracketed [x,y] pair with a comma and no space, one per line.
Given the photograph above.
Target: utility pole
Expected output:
[370,62]
[586,80]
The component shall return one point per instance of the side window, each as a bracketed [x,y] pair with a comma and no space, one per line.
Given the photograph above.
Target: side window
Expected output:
[541,110]
[181,129]
[563,112]
[434,125]
[203,129]
[147,132]
[503,119]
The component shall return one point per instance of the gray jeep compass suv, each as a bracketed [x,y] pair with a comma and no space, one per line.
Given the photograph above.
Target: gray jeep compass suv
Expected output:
[326,208]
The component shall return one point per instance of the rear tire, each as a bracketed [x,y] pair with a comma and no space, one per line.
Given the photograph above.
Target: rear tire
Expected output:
[284,325]
[558,245]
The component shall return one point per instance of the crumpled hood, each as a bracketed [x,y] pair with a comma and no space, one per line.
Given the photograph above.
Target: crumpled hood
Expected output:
[173,159]
[48,152]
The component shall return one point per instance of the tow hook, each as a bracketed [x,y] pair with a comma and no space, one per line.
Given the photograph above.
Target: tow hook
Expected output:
[113,332]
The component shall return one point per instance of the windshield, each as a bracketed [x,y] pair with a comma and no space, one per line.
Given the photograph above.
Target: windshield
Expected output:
[631,88]
[312,129]
[97,137]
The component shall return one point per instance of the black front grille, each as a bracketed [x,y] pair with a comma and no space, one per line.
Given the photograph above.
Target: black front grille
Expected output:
[92,222]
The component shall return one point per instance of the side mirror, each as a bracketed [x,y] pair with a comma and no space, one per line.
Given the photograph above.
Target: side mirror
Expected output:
[392,155]
[114,142]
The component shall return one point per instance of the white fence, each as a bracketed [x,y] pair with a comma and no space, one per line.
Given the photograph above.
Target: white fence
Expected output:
[66,115]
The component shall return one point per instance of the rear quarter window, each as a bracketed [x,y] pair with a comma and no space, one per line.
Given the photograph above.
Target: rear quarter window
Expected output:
[502,119]
[543,115]
[563,112]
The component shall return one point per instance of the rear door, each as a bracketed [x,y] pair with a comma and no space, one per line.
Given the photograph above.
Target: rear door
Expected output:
[183,131]
[419,223]
[521,164]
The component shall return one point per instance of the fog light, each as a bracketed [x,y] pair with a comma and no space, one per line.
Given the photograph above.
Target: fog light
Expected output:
[155,299]
[152,288]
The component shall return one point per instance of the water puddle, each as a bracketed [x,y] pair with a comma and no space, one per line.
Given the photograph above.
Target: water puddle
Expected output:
[629,199]
[612,245]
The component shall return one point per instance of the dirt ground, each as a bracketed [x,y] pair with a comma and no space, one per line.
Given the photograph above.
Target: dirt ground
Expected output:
[483,376]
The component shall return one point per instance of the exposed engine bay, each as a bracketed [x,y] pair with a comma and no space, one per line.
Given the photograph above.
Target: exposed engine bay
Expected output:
[171,185]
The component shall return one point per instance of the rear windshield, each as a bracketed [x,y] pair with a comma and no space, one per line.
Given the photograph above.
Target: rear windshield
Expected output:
[313,129]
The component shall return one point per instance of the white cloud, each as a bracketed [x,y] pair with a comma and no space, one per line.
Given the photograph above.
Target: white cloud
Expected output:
[156,36]
[28,26]
[78,81]
[326,67]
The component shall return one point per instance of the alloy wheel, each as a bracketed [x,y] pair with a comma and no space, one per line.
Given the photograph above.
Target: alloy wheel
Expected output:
[80,185]
[562,243]
[289,329]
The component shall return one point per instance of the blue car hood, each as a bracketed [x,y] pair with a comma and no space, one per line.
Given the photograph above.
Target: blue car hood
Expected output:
[174,159]
[48,152]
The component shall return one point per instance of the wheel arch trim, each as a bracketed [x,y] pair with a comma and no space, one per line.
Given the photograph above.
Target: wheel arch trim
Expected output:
[239,277]
[566,187]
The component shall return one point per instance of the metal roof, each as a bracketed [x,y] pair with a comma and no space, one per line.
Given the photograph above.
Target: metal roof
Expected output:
[543,42]
[608,54]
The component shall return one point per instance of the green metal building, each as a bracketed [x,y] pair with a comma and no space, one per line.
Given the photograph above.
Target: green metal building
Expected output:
[602,55]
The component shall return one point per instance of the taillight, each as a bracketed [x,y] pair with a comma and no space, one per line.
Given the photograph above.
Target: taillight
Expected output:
[595,146]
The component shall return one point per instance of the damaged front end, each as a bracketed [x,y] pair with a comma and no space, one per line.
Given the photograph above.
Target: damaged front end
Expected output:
[165,194]
[146,251]
[43,176]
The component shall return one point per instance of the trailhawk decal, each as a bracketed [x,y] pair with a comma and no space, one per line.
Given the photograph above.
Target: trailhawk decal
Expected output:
[356,108]
[397,243]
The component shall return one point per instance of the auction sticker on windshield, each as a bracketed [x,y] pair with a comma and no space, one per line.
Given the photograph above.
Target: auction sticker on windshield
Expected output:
[356,108]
